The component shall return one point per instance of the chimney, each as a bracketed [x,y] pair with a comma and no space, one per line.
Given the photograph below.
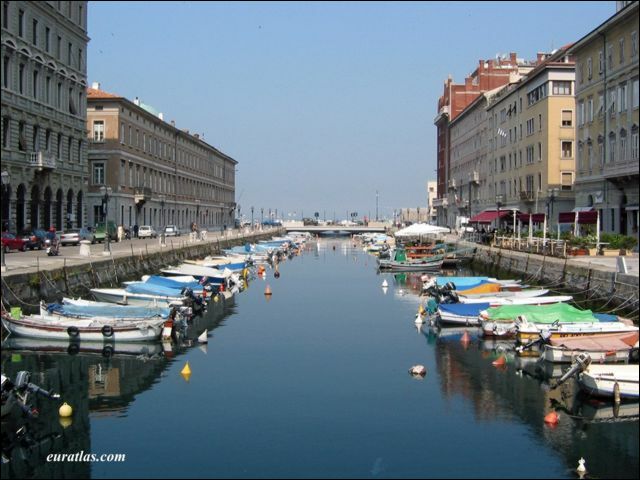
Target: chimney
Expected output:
[136,101]
[95,85]
[196,135]
[513,58]
[540,57]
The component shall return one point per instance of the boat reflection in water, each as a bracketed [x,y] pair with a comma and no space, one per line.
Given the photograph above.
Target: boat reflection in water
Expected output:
[96,379]
[587,426]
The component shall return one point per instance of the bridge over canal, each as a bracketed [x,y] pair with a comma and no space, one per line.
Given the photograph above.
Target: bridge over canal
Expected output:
[336,229]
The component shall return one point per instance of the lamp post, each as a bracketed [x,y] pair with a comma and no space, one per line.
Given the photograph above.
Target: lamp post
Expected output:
[552,194]
[106,194]
[251,218]
[418,213]
[499,199]
[261,216]
[6,178]
[162,201]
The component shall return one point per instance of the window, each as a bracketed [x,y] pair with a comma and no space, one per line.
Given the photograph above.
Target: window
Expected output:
[600,62]
[634,43]
[5,72]
[634,142]
[47,141]
[22,139]
[21,23]
[98,173]
[623,145]
[59,48]
[47,39]
[122,133]
[600,104]
[567,149]
[567,180]
[69,150]
[622,96]
[580,114]
[47,90]
[635,93]
[72,105]
[59,95]
[539,151]
[612,102]
[98,130]
[612,147]
[59,145]
[562,87]
[79,151]
[21,79]
[621,50]
[610,57]
[34,32]
[69,48]
[34,84]
[123,164]
[567,117]
[530,126]
[540,122]
[79,59]
[590,109]
[6,132]
[589,68]
[5,15]
[530,152]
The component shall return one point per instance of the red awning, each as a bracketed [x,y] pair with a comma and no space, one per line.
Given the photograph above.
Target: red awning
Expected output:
[584,218]
[535,218]
[489,216]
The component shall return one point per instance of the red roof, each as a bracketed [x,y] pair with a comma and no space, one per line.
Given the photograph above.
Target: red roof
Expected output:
[535,217]
[584,218]
[95,93]
[489,216]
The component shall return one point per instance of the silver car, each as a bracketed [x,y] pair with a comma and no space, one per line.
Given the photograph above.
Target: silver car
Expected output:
[74,235]
[147,231]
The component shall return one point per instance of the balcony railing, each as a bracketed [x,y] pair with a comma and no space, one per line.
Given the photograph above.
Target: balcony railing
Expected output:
[527,196]
[439,202]
[42,160]
[141,195]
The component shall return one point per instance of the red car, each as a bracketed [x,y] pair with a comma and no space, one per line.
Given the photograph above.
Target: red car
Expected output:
[10,242]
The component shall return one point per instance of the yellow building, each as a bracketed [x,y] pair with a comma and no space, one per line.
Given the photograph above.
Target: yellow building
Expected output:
[531,147]
[607,122]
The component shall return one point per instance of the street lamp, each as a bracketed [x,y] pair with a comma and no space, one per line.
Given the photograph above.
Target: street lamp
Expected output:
[6,178]
[499,200]
[261,216]
[552,195]
[418,213]
[251,218]
[163,199]
[106,193]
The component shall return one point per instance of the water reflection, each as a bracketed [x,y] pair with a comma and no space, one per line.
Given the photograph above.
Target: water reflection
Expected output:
[97,380]
[587,427]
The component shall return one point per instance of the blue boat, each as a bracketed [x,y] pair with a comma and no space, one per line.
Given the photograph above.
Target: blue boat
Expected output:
[90,309]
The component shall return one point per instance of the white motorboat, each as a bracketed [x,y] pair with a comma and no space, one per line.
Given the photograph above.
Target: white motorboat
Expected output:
[607,348]
[610,380]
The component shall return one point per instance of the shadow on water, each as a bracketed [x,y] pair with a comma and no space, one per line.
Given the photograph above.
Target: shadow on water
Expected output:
[98,380]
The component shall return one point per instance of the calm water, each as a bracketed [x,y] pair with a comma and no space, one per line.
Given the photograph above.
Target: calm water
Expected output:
[313,383]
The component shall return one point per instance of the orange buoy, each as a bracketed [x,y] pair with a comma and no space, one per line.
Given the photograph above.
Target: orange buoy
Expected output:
[551,418]
[267,291]
[499,362]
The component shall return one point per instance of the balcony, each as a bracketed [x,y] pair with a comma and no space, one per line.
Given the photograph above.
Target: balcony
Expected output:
[474,177]
[141,195]
[451,184]
[527,196]
[42,161]
[439,202]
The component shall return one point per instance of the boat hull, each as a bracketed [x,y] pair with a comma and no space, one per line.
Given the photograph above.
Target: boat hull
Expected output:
[601,380]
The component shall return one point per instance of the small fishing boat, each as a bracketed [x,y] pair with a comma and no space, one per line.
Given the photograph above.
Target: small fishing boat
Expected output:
[460,313]
[56,328]
[479,297]
[610,381]
[496,301]
[605,348]
[122,296]
[90,309]
[71,347]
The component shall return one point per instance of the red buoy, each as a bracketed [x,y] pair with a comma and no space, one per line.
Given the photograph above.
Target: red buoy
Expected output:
[551,418]
[499,362]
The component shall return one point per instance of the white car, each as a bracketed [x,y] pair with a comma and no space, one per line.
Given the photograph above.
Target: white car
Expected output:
[171,231]
[147,231]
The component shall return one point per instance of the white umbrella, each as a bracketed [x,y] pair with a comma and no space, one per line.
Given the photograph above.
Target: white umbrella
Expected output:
[418,229]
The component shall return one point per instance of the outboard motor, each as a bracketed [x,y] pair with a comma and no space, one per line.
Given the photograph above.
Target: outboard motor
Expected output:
[580,364]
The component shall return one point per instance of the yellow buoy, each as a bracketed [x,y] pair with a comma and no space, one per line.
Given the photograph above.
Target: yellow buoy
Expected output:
[65,410]
[186,370]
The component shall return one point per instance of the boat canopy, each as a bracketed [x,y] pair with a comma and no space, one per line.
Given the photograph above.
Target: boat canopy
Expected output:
[418,229]
[548,314]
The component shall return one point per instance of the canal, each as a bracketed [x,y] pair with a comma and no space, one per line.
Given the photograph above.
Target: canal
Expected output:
[313,383]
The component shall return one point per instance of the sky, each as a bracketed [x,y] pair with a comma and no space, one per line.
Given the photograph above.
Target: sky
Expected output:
[328,107]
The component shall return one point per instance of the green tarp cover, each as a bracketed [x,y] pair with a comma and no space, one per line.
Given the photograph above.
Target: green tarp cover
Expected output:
[542,313]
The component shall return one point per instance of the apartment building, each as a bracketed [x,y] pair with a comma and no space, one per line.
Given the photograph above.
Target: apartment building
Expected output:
[44,147]
[157,174]
[531,146]
[607,98]
[489,74]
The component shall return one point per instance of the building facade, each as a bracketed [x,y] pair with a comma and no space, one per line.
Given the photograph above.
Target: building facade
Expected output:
[44,147]
[531,146]
[489,74]
[158,174]
[432,194]
[607,94]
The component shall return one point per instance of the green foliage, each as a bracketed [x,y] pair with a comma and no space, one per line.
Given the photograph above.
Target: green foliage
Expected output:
[617,241]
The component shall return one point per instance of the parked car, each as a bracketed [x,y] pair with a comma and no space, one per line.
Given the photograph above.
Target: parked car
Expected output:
[147,231]
[171,231]
[34,238]
[11,242]
[100,232]
[73,236]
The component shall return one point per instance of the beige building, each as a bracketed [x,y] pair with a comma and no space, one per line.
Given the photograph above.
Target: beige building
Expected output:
[607,94]
[531,146]
[158,174]
[432,194]
[44,147]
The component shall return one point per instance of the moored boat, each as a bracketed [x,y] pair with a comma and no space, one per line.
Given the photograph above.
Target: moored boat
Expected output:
[605,348]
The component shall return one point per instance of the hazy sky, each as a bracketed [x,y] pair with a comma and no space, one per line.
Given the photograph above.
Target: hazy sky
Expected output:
[321,103]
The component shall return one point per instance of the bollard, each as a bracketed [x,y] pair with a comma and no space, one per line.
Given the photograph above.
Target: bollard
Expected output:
[85,248]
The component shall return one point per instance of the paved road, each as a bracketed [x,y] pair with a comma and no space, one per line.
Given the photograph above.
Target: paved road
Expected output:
[31,261]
